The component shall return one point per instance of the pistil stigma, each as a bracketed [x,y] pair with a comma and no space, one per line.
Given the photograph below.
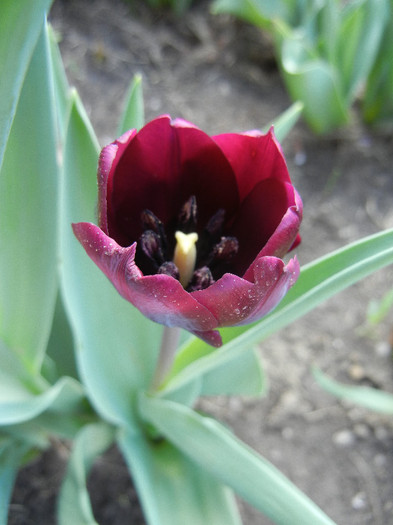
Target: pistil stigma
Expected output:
[185,255]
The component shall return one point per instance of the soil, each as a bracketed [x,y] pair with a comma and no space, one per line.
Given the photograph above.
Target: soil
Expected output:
[221,74]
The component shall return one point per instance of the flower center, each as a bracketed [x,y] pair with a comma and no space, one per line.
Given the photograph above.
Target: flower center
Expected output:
[196,260]
[185,255]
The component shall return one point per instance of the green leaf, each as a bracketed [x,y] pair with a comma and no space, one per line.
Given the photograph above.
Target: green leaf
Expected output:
[358,41]
[11,456]
[60,347]
[28,208]
[318,281]
[242,376]
[257,12]
[116,347]
[377,400]
[213,448]
[74,502]
[285,122]
[21,23]
[67,395]
[173,490]
[62,92]
[134,113]
[378,99]
[313,81]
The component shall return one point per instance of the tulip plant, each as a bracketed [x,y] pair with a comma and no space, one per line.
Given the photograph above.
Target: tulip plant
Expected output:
[184,275]
[329,52]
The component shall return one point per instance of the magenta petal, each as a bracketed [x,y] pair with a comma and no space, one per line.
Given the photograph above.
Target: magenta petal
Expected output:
[285,237]
[253,157]
[109,158]
[212,337]
[159,169]
[236,301]
[161,298]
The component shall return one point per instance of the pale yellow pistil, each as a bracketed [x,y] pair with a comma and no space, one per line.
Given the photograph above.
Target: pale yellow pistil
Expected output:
[185,255]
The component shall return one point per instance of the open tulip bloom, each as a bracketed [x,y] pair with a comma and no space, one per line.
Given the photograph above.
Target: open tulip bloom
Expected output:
[192,228]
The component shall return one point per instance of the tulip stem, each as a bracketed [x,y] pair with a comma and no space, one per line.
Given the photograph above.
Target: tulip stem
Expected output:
[169,342]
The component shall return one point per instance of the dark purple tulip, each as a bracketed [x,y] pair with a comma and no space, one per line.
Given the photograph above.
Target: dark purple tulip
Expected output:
[193,229]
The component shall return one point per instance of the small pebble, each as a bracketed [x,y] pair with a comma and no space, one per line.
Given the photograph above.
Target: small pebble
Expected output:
[356,372]
[383,349]
[343,438]
[359,501]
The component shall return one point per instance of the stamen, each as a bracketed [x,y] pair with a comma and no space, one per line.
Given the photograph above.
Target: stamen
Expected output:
[151,222]
[215,224]
[150,244]
[185,255]
[226,249]
[169,268]
[187,219]
[201,279]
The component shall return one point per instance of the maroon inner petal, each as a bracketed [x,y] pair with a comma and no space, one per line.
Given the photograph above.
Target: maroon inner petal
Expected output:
[259,215]
[253,158]
[160,169]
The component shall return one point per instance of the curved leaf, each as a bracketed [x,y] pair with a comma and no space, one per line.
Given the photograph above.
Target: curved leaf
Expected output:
[377,400]
[318,281]
[74,502]
[213,448]
[21,23]
[173,490]
[28,209]
[116,347]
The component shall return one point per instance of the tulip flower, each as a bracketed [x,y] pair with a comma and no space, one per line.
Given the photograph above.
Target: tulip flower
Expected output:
[193,229]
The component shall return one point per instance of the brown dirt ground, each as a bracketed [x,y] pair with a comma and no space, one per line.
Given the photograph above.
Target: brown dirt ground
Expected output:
[221,75]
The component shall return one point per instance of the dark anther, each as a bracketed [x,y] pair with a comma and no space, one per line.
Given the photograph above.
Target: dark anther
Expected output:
[152,222]
[215,224]
[169,268]
[187,219]
[150,244]
[201,279]
[226,249]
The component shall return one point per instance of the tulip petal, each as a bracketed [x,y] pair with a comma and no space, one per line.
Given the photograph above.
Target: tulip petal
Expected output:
[159,169]
[267,223]
[285,237]
[236,301]
[161,298]
[108,160]
[253,157]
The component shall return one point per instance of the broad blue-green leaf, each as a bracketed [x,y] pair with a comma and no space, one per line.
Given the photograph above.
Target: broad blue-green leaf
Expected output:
[242,376]
[116,347]
[60,347]
[24,397]
[378,98]
[285,122]
[318,281]
[359,38]
[377,310]
[21,22]
[257,12]
[213,448]
[28,209]
[313,81]
[74,503]
[377,400]
[134,112]
[66,395]
[62,92]
[172,489]
[11,456]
